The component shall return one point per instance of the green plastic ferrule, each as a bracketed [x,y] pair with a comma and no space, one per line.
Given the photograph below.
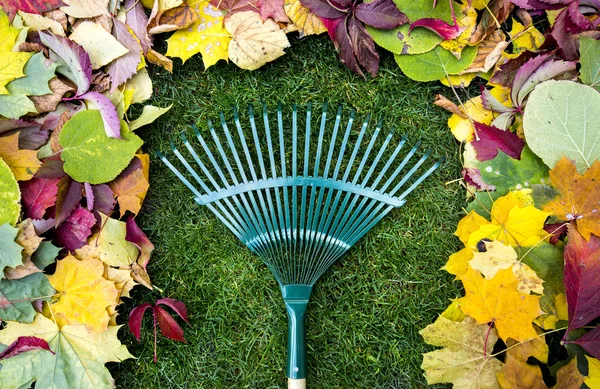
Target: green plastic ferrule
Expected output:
[296,300]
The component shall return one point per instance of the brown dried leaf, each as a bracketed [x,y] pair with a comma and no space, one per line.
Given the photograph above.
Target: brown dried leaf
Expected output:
[175,19]
[496,12]
[489,52]
[158,59]
[58,16]
[48,103]
[449,106]
[100,82]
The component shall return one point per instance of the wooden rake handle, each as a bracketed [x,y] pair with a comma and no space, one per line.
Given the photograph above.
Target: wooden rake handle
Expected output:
[297,383]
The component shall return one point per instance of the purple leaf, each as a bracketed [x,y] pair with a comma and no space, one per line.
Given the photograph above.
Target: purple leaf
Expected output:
[7,125]
[557,230]
[545,71]
[110,117]
[540,5]
[331,26]
[342,40]
[506,74]
[124,67]
[136,236]
[73,62]
[38,194]
[492,139]
[104,199]
[72,234]
[380,14]
[43,225]
[323,9]
[443,29]
[135,319]
[473,177]
[176,305]
[89,195]
[491,103]
[568,23]
[272,9]
[137,20]
[32,138]
[590,342]
[51,168]
[168,326]
[69,195]
[24,344]
[363,46]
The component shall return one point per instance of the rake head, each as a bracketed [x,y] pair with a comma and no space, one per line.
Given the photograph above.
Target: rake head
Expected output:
[298,200]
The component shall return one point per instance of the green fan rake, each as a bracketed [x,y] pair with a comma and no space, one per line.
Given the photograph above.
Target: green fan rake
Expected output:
[299,215]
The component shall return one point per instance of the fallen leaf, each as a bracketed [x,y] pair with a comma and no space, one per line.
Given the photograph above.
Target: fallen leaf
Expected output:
[442,101]
[489,52]
[83,294]
[525,38]
[11,62]
[516,374]
[50,101]
[100,45]
[497,301]
[17,296]
[306,22]
[86,8]
[68,197]
[537,348]
[253,42]
[74,231]
[589,50]
[492,139]
[175,19]
[31,6]
[108,112]
[124,67]
[78,362]
[24,344]
[466,354]
[473,112]
[435,64]
[136,236]
[40,23]
[10,251]
[466,24]
[10,195]
[590,342]
[568,376]
[592,380]
[22,163]
[112,247]
[458,263]
[149,114]
[38,195]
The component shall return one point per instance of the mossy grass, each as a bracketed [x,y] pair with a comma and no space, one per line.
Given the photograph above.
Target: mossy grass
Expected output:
[365,312]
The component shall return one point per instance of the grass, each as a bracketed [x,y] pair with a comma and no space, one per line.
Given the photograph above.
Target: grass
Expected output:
[365,312]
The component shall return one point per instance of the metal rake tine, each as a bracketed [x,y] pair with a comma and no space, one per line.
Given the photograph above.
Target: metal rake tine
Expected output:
[242,137]
[203,167]
[400,167]
[411,172]
[389,163]
[388,138]
[422,178]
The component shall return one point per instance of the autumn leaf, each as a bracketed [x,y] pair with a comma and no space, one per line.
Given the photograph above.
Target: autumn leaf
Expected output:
[301,17]
[11,62]
[17,297]
[466,357]
[592,380]
[130,187]
[458,263]
[24,344]
[74,231]
[568,376]
[38,195]
[83,294]
[462,127]
[497,301]
[525,38]
[466,24]
[521,351]
[590,342]
[31,6]
[78,362]
[28,239]
[112,247]
[10,195]
[22,163]
[86,8]
[10,251]
[517,374]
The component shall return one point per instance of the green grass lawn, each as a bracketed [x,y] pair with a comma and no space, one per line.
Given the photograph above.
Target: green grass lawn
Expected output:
[365,312]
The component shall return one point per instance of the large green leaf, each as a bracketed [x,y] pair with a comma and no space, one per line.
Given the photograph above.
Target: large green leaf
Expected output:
[435,64]
[10,251]
[45,255]
[90,155]
[17,296]
[399,41]
[419,9]
[507,173]
[563,118]
[589,50]
[10,196]
[78,359]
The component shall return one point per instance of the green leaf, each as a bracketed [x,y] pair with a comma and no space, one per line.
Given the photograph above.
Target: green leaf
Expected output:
[10,196]
[91,156]
[589,50]
[398,41]
[15,106]
[16,296]
[45,255]
[436,64]
[149,114]
[10,251]
[114,250]
[562,118]
[419,9]
[507,173]
[482,203]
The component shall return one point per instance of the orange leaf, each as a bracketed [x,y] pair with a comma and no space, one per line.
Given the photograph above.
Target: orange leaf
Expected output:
[22,163]
[517,374]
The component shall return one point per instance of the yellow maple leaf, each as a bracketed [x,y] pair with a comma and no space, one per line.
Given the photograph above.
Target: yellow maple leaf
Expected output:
[592,380]
[466,357]
[461,127]
[83,294]
[459,262]
[568,376]
[513,222]
[579,198]
[468,225]
[112,248]
[11,62]
[22,163]
[453,312]
[517,374]
[206,36]
[306,22]
[498,301]
[537,348]
[525,38]
[498,257]
[468,21]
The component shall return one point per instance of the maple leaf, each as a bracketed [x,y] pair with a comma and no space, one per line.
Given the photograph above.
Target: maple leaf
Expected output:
[466,357]
[78,359]
[168,326]
[579,196]
[130,187]
[22,163]
[537,348]
[466,26]
[582,272]
[306,22]
[83,294]
[111,245]
[568,376]
[592,380]
[460,125]
[38,195]
[458,263]
[517,374]
[11,62]
[498,301]
[10,196]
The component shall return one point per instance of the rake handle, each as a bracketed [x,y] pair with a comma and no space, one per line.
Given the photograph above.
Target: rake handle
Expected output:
[296,300]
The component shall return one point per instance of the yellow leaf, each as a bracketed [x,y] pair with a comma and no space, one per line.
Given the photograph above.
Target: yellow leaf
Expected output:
[499,257]
[536,348]
[465,358]
[517,374]
[458,263]
[206,36]
[453,312]
[468,21]
[548,321]
[593,378]
[513,223]
[525,38]
[306,22]
[112,247]
[83,293]
[40,23]
[498,301]
[101,46]
[22,163]
[254,43]
[468,225]
[461,128]
[124,283]
[11,63]
[462,80]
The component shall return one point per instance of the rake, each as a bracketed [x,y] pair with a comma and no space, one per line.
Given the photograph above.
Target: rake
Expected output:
[299,215]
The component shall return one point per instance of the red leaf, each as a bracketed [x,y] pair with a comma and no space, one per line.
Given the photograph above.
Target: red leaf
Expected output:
[136,236]
[69,195]
[324,9]
[51,168]
[30,6]
[590,342]
[582,278]
[272,9]
[168,326]
[443,29]
[104,198]
[364,46]
[342,40]
[23,344]
[557,230]
[176,305]
[72,234]
[38,194]
[380,14]
[492,139]
[135,319]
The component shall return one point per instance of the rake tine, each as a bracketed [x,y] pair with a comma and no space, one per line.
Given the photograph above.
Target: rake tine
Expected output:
[422,178]
[389,163]
[400,167]
[388,138]
[286,203]
[411,172]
